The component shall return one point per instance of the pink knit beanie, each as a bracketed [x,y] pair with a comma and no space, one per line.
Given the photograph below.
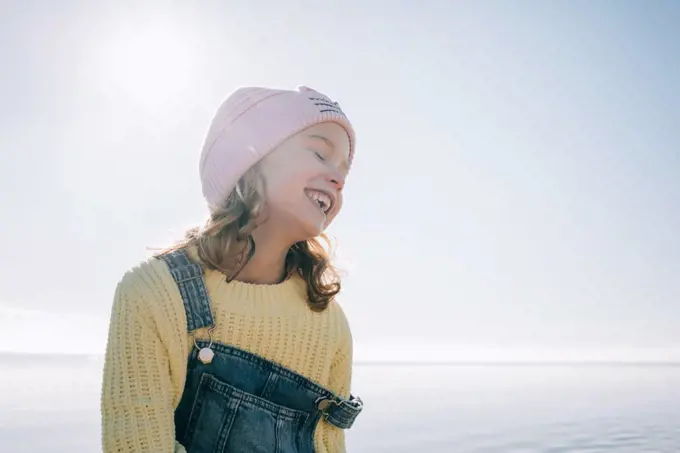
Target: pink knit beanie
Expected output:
[252,122]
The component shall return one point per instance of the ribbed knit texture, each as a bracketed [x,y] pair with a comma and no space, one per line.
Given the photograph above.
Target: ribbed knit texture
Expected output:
[148,347]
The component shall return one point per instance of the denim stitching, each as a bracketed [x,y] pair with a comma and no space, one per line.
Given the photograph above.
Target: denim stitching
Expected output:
[342,416]
[189,279]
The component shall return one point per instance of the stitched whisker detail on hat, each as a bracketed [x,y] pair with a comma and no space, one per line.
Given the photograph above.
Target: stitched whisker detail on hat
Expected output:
[326,104]
[324,100]
[333,107]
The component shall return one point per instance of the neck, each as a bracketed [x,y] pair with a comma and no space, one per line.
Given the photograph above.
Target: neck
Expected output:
[268,264]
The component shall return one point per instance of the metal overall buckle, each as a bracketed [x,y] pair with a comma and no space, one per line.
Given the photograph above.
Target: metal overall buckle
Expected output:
[323,404]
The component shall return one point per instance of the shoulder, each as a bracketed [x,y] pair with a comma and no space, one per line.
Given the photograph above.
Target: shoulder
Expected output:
[148,289]
[145,278]
[337,311]
[341,324]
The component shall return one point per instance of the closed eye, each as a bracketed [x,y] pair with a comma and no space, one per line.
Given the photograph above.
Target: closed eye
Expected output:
[320,156]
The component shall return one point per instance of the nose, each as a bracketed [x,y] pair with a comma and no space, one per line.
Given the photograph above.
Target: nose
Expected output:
[337,179]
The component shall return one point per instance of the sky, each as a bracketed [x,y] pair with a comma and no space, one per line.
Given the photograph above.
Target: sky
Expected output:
[515,192]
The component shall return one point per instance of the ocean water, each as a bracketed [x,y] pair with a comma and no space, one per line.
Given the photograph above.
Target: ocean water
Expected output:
[52,404]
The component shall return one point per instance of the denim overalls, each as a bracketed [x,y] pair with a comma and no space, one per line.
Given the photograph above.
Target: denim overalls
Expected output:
[235,401]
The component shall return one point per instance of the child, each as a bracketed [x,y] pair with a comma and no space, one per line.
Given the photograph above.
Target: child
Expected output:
[232,341]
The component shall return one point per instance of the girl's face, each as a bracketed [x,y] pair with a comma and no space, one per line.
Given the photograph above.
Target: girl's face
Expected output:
[304,178]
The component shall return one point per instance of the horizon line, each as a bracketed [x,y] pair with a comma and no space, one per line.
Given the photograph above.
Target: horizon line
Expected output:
[523,362]
[407,362]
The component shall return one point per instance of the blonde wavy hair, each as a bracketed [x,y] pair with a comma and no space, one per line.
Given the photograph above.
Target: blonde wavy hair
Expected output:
[225,243]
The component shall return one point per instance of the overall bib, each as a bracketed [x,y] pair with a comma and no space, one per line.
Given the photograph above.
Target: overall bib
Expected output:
[235,401]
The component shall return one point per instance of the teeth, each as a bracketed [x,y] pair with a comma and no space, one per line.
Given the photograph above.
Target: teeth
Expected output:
[321,198]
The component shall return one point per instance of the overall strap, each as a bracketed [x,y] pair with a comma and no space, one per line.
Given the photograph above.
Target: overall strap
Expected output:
[189,279]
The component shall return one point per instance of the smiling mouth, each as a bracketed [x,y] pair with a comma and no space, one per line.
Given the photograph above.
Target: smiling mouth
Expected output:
[321,199]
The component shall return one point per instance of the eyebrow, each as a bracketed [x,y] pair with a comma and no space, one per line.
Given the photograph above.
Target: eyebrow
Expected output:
[328,143]
[344,166]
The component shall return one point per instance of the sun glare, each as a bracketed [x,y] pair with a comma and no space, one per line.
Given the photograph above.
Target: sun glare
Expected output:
[148,61]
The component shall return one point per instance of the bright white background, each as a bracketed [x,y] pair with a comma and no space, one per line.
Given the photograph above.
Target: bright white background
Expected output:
[516,188]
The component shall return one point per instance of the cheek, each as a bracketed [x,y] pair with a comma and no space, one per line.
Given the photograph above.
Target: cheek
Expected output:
[287,177]
[337,208]
[339,201]
[283,189]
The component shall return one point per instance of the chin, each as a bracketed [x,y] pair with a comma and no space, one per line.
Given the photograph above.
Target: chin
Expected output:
[309,229]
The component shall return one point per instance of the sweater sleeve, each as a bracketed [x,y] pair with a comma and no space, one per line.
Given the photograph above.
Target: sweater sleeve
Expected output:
[137,390]
[340,383]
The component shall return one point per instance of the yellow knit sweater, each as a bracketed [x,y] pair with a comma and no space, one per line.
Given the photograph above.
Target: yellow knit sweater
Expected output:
[148,347]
